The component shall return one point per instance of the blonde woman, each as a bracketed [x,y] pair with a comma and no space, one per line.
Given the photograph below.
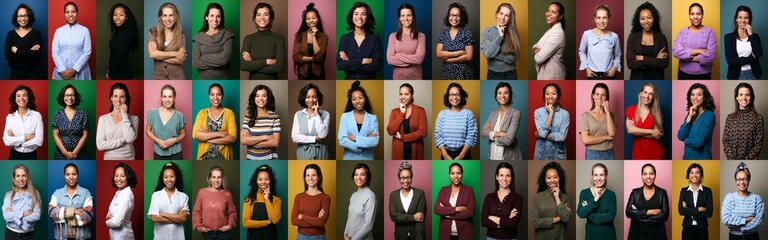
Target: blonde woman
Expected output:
[21,205]
[165,126]
[500,43]
[645,123]
[167,44]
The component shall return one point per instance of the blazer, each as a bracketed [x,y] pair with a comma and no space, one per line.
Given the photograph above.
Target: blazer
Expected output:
[509,125]
[549,60]
[735,62]
[634,48]
[363,146]
[404,222]
[704,199]
[447,213]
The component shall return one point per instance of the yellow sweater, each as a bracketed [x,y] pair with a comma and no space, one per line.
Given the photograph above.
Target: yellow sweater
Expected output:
[273,211]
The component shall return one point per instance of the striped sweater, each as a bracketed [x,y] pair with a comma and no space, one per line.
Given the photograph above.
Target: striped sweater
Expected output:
[455,129]
[736,209]
[263,125]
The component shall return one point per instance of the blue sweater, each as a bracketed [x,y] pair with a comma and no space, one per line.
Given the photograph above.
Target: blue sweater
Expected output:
[455,129]
[697,136]
[737,209]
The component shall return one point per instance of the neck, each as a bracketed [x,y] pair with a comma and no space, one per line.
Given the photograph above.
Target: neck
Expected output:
[602,31]
[696,27]
[261,111]
[455,28]
[312,189]
[455,186]
[361,111]
[359,31]
[71,188]
[649,31]
[262,29]
[503,190]
[406,29]
[121,188]
[503,107]
[743,193]
[24,27]
[23,110]
[456,108]
[216,107]
[212,31]
[70,107]
[646,187]
[170,190]
[695,186]
[405,190]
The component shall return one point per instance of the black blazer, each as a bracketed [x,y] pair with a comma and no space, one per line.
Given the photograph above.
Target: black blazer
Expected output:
[735,62]
[404,222]
[704,199]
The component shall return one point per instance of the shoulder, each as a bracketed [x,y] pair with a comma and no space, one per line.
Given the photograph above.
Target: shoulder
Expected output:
[467,112]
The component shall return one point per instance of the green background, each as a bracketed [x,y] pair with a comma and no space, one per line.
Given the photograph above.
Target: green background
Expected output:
[87,90]
[231,22]
[38,170]
[231,100]
[151,173]
[377,8]
[441,178]
[200,181]
[103,35]
[345,186]
[280,169]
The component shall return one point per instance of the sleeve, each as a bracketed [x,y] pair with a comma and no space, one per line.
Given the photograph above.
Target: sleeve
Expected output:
[757,145]
[709,204]
[540,119]
[727,215]
[200,120]
[690,210]
[231,211]
[605,217]
[344,132]
[82,61]
[562,211]
[247,212]
[616,61]
[322,123]
[154,209]
[280,57]
[634,213]
[484,132]
[395,120]
[507,222]
[757,46]
[342,64]
[39,133]
[490,42]
[9,55]
[709,56]
[8,140]
[296,135]
[537,220]
[555,40]
[54,211]
[366,141]
[471,139]
[296,55]
[273,209]
[470,212]
[757,222]
[86,216]
[392,59]
[125,205]
[511,132]
[420,116]
[583,58]
[322,40]
[727,139]
[376,55]
[485,213]
[294,213]
[664,209]
[584,211]
[196,55]
[731,54]
[325,204]
[30,219]
[58,63]
[438,134]
[418,56]
[658,62]
[197,211]
[254,64]
[633,63]
[399,217]
[11,216]
[700,131]
[679,48]
[562,132]
[369,209]
[219,59]
[442,208]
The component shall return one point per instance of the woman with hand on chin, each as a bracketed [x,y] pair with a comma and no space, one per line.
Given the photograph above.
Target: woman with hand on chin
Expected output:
[360,51]
[407,47]
[455,205]
[455,127]
[648,208]
[121,207]
[548,51]
[407,206]
[695,205]
[455,44]
[263,51]
[597,204]
[408,127]
[117,129]
[310,44]
[261,208]
[502,209]
[362,206]
[696,131]
[743,48]
[501,44]
[310,125]
[551,210]
[169,208]
[214,212]
[70,126]
[645,124]
[552,123]
[742,211]
[696,47]
[22,45]
[597,126]
[312,207]
[165,126]
[215,128]
[600,50]
[358,127]
[71,48]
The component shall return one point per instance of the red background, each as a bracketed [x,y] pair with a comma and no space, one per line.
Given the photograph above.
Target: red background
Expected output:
[136,89]
[567,102]
[105,192]
[585,20]
[86,16]
[40,89]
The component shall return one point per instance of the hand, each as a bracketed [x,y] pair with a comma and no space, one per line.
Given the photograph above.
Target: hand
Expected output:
[373,134]
[611,72]
[494,219]
[447,157]
[555,219]
[535,50]
[69,155]
[418,217]
[698,51]
[123,108]
[8,209]
[346,237]
[321,213]
[606,106]
[584,203]
[313,31]
[9,133]
[225,228]
[247,56]
[29,212]
[459,157]
[204,229]
[460,209]
[181,54]
[599,193]
[513,213]
[590,73]
[501,30]
[685,205]
[315,110]
[35,48]
[271,61]
[640,57]
[266,193]
[367,61]
[692,111]
[695,59]
[657,133]
[748,28]
[29,137]
[749,219]
[402,108]
[653,212]
[398,136]
[14,49]
[662,53]
[351,137]
[343,56]
[68,74]
[702,209]
[499,134]
[79,211]
[550,108]
[301,216]
[555,191]
[633,207]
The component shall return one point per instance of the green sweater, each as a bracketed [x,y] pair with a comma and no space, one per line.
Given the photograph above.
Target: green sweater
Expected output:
[599,215]
[263,45]
[544,210]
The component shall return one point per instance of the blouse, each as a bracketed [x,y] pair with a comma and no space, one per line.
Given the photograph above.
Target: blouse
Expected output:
[213,210]
[67,224]
[366,138]
[551,149]
[687,41]
[25,62]
[650,68]
[211,54]
[309,207]
[116,139]
[177,202]
[417,130]
[70,132]
[225,122]
[595,128]
[164,70]
[15,219]
[697,136]
[507,226]
[406,55]
[71,48]
[301,49]
[262,125]
[736,209]
[262,216]
[743,135]
[263,45]
[303,132]
[492,44]
[599,214]
[545,208]
[599,54]
[354,67]
[120,208]
[119,46]
[362,210]
[31,123]
[166,130]
[462,40]
[454,130]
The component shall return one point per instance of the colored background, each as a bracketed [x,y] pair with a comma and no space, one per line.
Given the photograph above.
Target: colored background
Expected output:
[40,8]
[488,9]
[728,185]
[441,178]
[327,12]
[584,105]
[40,89]
[248,27]
[534,169]
[151,175]
[633,179]
[376,96]
[709,179]
[421,97]
[728,105]
[86,16]
[538,27]
[440,11]
[150,20]
[328,89]
[198,17]
[439,89]
[87,104]
[345,187]
[56,181]
[665,10]
[422,179]
[422,18]
[279,90]
[39,177]
[680,91]
[710,18]
[614,182]
[183,105]
[727,11]
[630,98]
[519,185]
[200,172]
[280,169]
[488,103]
[585,21]
[296,186]
[567,102]
[105,193]
[230,99]
[342,8]
[103,101]
[103,22]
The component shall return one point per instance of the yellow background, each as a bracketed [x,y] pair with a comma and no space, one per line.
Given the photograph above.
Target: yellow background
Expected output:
[296,186]
[473,104]
[680,20]
[488,18]
[374,89]
[710,179]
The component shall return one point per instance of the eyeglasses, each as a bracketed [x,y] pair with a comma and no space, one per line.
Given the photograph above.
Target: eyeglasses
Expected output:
[742,180]
[405,178]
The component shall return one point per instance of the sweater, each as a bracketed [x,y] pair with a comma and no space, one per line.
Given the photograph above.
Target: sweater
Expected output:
[454,130]
[116,139]
[119,46]
[262,216]
[309,207]
[736,209]
[491,44]
[705,39]
[599,214]
[213,210]
[211,54]
[354,67]
[164,70]
[544,209]
[263,45]
[362,210]
[507,227]
[697,136]
[406,56]
[24,63]
[743,135]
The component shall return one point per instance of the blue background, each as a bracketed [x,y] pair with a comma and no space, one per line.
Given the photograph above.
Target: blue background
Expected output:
[423,24]
[40,9]
[631,88]
[86,179]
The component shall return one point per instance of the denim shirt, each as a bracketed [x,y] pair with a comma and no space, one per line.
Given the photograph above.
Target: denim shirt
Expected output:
[57,208]
[15,219]
[554,149]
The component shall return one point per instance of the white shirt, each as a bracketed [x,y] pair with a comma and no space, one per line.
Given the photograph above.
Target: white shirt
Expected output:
[497,151]
[695,196]
[315,122]
[406,200]
[453,200]
[744,49]
[161,202]
[120,208]
[32,123]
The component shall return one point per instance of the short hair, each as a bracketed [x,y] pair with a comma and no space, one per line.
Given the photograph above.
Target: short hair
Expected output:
[656,27]
[30,97]
[370,21]
[261,5]
[223,177]
[73,4]
[464,95]
[557,89]
[751,105]
[356,87]
[504,85]
[120,86]
[305,90]
[367,173]
[252,194]
[691,167]
[60,97]
[30,16]
[129,174]
[594,89]
[648,165]
[541,180]
[741,8]
[217,85]
[462,14]
[71,165]
[511,172]
[696,5]
[319,176]
[179,184]
[221,9]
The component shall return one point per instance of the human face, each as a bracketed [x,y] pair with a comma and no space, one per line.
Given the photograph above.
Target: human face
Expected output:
[70,176]
[743,98]
[70,14]
[20,178]
[552,178]
[598,177]
[118,16]
[504,178]
[119,178]
[311,19]
[742,183]
[697,96]
[602,19]
[696,14]
[599,97]
[262,18]
[405,96]
[742,19]
[454,96]
[553,14]
[169,179]
[214,96]
[502,96]
[358,100]
[22,98]
[216,179]
[550,95]
[360,177]
[359,17]
[70,97]
[405,179]
[454,17]
[456,175]
[262,98]
[311,177]
[118,97]
[646,96]
[168,18]
[503,16]
[167,98]
[406,17]
[649,176]
[22,18]
[263,181]
[213,18]
[694,177]
[311,98]
[646,19]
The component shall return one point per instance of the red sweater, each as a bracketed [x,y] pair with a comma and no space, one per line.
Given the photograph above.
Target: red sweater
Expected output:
[309,207]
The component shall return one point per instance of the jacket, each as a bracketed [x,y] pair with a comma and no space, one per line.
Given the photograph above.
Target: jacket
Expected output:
[704,199]
[403,219]
[510,123]
[448,213]
[640,214]
[735,62]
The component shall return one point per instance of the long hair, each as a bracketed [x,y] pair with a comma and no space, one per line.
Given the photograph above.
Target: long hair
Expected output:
[707,104]
[511,171]
[123,87]
[751,105]
[30,98]
[252,194]
[208,11]
[253,111]
[319,176]
[304,27]
[511,43]
[179,184]
[356,87]
[130,24]
[741,8]
[656,27]
[542,182]
[561,11]
[594,89]
[176,42]
[223,177]
[655,109]
[414,29]
[30,188]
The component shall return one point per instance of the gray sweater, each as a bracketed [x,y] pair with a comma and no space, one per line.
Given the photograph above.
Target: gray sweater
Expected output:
[491,46]
[116,139]
[210,54]
[362,210]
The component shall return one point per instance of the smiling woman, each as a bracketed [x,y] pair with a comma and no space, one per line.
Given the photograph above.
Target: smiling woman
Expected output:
[71,48]
[214,213]
[71,208]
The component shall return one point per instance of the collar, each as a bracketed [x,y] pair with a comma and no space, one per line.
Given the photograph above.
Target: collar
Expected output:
[690,188]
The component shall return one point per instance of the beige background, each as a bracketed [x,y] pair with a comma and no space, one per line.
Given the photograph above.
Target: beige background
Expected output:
[615,183]
[421,97]
[727,106]
[280,90]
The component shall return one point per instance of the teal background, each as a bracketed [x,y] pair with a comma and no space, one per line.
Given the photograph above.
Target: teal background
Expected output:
[280,169]
[231,100]
[345,187]
[39,172]
[150,20]
[231,22]
[200,171]
[441,178]
[151,174]
[488,104]
[727,11]
[87,90]
[377,8]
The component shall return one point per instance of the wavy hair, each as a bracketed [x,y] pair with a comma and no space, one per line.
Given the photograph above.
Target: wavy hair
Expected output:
[656,27]
[542,182]
[179,184]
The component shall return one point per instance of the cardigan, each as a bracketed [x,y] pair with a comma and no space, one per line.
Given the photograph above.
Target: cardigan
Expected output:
[365,144]
[263,45]
[743,135]
[491,45]
[697,136]
[509,125]
[705,39]
[418,131]
[211,54]
[691,212]
[406,56]
[300,50]
[228,124]
[650,66]
[309,207]
[549,60]
[369,48]
[164,70]
[735,61]
[448,214]
[507,227]
[599,215]
[544,210]
[405,225]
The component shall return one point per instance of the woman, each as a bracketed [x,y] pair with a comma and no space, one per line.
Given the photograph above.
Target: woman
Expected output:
[264,50]
[125,37]
[71,208]
[261,126]
[502,209]
[362,206]
[358,127]
[743,48]
[215,128]
[551,213]
[501,44]
[407,206]
[312,207]
[169,208]
[71,48]
[552,123]
[406,48]
[695,46]
[310,125]
[501,127]
[455,205]
[598,126]
[597,204]
[360,50]
[212,45]
[742,211]
[696,131]
[22,45]
[310,44]
[23,131]
[261,208]
[70,126]
[455,127]
[121,207]
[548,51]
[743,132]
[646,125]
[695,205]
[600,50]
[117,130]
[21,205]
[408,127]
[647,52]
[648,208]
[214,213]
[170,53]
[166,126]
[455,45]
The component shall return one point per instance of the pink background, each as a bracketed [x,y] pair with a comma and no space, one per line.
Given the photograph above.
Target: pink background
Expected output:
[679,93]
[183,105]
[585,21]
[584,103]
[422,179]
[328,14]
[633,179]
